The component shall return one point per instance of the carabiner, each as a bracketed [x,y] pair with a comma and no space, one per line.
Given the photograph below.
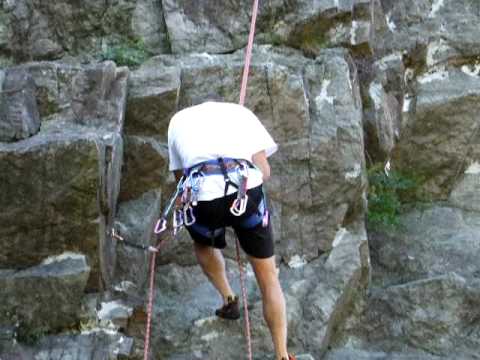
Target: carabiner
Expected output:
[239,206]
[161,225]
[177,221]
[188,217]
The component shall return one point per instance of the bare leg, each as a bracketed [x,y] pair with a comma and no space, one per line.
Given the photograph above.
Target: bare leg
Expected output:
[213,265]
[274,310]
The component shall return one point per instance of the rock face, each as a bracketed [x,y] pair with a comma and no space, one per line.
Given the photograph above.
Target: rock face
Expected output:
[60,186]
[55,194]
[331,80]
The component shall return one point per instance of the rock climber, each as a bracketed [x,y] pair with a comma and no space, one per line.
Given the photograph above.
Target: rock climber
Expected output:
[220,151]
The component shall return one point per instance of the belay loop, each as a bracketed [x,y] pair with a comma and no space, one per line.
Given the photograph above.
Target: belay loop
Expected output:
[239,205]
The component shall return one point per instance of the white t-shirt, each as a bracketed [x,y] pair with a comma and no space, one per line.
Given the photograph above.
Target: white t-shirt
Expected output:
[212,130]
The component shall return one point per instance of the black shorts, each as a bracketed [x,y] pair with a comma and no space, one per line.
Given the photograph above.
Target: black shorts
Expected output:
[215,215]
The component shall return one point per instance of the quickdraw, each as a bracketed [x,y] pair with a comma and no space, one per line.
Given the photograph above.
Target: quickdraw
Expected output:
[239,205]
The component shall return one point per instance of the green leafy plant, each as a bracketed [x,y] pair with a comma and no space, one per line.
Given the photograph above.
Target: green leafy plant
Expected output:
[385,197]
[132,53]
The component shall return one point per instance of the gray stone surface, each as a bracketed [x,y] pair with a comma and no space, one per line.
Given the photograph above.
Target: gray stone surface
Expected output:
[19,116]
[92,95]
[429,243]
[408,25]
[135,222]
[152,99]
[438,315]
[212,27]
[46,297]
[59,191]
[94,345]
[145,166]
[424,290]
[466,193]
[415,82]
[383,93]
[440,131]
[35,30]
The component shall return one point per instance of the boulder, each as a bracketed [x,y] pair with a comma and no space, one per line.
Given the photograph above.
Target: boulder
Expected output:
[19,116]
[439,131]
[92,95]
[50,295]
[152,99]
[59,193]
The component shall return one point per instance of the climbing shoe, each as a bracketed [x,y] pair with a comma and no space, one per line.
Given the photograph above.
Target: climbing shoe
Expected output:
[290,357]
[230,310]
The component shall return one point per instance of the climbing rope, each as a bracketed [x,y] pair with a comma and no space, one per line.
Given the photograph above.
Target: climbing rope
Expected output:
[248,54]
[243,92]
[161,224]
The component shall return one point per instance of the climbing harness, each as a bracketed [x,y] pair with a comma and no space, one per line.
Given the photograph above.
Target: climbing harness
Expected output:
[222,166]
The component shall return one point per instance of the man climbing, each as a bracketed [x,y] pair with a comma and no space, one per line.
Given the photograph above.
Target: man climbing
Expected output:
[219,150]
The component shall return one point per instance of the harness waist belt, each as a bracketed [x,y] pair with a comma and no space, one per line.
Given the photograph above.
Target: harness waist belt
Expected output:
[214,167]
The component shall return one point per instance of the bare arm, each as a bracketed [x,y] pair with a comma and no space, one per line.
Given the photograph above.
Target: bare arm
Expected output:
[260,160]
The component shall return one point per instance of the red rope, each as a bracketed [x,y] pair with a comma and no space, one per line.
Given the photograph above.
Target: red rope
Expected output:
[245,303]
[243,92]
[248,55]
[151,293]
[150,305]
